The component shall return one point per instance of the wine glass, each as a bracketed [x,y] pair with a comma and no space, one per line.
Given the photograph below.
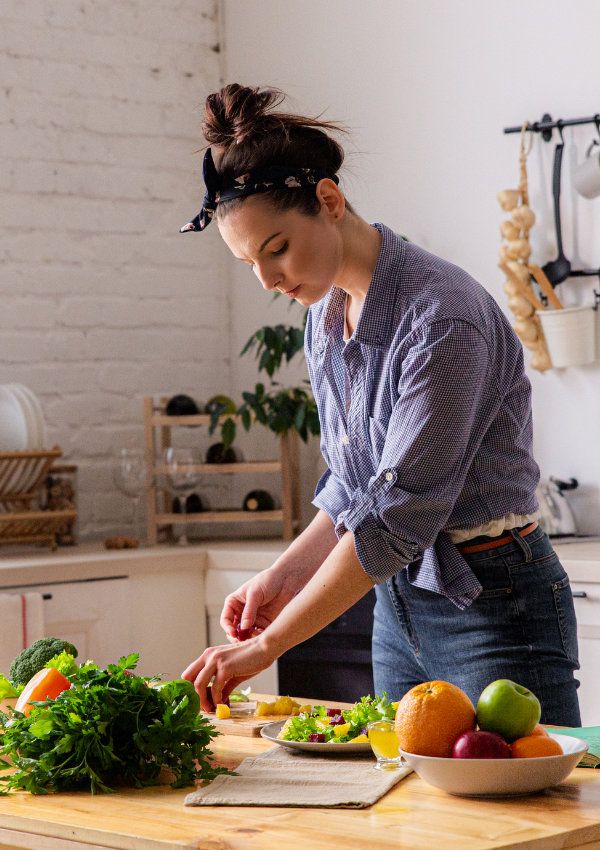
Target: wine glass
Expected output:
[133,477]
[181,469]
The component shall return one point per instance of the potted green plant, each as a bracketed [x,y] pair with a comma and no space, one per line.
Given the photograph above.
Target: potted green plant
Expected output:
[278,408]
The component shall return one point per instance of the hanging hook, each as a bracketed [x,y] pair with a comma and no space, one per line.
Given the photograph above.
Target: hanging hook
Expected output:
[559,127]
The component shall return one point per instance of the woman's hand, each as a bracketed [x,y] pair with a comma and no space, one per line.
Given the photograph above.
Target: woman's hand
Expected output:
[228,666]
[258,601]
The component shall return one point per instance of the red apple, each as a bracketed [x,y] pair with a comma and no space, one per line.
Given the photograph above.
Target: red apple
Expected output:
[480,745]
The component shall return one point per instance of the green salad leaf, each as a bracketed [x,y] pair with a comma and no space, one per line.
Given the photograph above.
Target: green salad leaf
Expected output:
[240,695]
[110,728]
[8,690]
[367,710]
[65,663]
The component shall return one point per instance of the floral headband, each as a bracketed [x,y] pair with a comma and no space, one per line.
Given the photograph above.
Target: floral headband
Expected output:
[260,180]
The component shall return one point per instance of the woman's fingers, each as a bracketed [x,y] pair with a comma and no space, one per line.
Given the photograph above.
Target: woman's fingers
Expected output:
[200,672]
[232,609]
[254,599]
[221,668]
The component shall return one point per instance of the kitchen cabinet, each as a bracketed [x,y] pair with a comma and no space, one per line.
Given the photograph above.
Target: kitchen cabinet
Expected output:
[92,615]
[581,561]
[111,603]
[587,607]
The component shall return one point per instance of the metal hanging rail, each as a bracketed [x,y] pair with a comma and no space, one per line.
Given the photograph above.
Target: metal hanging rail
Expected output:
[547,125]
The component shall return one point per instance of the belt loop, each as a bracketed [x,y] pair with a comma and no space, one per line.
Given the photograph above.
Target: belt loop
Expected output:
[522,542]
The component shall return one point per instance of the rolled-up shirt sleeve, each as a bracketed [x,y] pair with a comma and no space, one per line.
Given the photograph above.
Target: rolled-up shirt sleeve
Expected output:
[446,403]
[330,495]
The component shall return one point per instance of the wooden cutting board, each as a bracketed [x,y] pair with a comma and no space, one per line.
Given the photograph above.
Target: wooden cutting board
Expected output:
[246,725]
[249,726]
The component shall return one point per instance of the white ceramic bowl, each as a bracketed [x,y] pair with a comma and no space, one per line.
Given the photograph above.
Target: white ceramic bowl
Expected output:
[13,424]
[499,777]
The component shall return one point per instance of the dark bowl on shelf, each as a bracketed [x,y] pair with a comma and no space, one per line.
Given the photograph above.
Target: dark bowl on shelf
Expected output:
[181,405]
[217,453]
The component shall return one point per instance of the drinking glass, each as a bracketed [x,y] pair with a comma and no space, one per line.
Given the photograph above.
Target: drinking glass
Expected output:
[384,743]
[133,477]
[182,477]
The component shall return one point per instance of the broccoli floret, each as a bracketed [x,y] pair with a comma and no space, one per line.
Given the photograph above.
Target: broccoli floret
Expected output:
[32,659]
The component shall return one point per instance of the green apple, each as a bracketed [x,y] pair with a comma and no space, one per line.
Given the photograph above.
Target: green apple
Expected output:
[509,709]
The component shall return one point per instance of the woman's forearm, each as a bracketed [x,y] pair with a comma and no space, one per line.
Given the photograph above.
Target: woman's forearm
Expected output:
[336,585]
[307,552]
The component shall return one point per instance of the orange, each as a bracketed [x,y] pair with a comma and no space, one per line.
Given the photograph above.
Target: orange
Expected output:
[538,730]
[535,746]
[431,716]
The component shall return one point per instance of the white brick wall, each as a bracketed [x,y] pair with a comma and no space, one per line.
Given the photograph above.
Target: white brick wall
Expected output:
[102,300]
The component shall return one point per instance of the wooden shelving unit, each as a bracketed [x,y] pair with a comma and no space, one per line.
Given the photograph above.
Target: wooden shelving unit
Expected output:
[157,431]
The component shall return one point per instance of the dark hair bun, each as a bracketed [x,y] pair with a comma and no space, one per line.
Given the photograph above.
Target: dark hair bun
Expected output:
[237,112]
[247,132]
[244,126]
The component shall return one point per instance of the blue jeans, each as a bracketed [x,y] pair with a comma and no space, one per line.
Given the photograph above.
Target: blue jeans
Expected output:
[522,627]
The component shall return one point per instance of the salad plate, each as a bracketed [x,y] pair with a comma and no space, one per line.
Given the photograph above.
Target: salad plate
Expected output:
[271,730]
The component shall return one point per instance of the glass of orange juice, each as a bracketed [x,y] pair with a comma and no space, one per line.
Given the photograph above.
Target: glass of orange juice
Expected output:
[384,743]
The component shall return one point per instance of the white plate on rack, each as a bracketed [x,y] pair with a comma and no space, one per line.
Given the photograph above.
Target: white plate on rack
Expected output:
[271,730]
[33,413]
[38,414]
[32,433]
[13,424]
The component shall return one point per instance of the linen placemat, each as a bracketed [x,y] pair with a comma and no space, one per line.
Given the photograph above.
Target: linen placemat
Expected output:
[282,777]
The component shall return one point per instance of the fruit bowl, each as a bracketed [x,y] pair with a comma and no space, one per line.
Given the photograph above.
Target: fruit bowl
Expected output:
[499,777]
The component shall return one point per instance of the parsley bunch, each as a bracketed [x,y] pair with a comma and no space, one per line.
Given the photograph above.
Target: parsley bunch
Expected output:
[109,729]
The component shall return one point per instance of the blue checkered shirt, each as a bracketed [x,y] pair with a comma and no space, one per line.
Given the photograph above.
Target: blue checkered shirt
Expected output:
[425,417]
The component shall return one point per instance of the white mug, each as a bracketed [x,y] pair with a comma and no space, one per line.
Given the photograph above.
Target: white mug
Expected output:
[587,173]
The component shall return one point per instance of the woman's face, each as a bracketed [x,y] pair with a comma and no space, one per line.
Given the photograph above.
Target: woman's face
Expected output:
[290,252]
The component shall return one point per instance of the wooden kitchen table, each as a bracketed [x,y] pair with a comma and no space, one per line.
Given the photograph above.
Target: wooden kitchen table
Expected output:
[412,815]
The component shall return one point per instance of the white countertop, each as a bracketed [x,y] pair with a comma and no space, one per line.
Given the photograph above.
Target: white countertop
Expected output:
[68,563]
[581,560]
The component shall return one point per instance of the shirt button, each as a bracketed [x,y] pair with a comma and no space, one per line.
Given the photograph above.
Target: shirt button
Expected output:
[389,476]
[345,440]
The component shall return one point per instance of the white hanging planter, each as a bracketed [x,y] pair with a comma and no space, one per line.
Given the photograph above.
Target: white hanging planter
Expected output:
[570,335]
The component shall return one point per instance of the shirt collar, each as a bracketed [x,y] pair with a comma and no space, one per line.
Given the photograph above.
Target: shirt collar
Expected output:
[375,325]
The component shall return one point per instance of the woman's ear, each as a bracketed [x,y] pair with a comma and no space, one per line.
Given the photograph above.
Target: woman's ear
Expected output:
[331,197]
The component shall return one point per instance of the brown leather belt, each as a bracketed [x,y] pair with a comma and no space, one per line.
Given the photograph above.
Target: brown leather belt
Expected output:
[497,541]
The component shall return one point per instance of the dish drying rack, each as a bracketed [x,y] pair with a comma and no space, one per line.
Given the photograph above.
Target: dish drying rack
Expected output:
[23,519]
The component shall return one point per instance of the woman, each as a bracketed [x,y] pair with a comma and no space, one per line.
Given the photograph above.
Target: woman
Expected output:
[425,414]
